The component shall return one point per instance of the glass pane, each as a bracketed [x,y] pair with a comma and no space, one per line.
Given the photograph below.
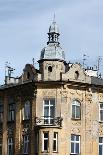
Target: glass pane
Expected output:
[101,115]
[101,105]
[55,134]
[54,145]
[77,148]
[72,147]
[46,111]
[100,150]
[46,135]
[52,111]
[100,139]
[46,102]
[52,102]
[77,138]
[72,137]
[45,145]
[1,108]
[27,110]
[77,111]
[73,111]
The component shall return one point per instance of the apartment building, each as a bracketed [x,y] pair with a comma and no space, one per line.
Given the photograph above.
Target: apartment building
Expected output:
[54,110]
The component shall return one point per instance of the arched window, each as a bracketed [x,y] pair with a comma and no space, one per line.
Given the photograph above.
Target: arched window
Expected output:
[76,110]
[26,110]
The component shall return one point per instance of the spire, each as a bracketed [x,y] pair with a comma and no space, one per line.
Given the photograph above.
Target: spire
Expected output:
[53,32]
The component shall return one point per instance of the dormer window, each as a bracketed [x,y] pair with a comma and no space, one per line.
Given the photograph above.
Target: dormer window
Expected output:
[28,75]
[76,75]
[50,69]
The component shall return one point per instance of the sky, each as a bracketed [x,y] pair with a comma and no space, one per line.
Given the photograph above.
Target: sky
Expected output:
[24,26]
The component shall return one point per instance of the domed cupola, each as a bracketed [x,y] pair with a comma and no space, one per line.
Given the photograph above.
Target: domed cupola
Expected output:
[53,51]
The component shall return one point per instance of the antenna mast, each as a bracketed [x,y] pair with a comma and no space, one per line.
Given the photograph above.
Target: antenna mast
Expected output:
[98,64]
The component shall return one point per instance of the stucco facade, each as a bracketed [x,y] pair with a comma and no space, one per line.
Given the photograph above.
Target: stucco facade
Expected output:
[55,110]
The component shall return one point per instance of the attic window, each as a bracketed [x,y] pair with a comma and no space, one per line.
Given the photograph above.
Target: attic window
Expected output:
[76,75]
[28,75]
[49,69]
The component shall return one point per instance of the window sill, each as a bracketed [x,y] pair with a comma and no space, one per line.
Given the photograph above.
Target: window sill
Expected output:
[11,121]
[76,119]
[45,152]
[55,152]
[100,121]
[74,154]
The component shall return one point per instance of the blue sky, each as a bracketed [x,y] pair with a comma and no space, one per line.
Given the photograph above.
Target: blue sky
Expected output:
[24,25]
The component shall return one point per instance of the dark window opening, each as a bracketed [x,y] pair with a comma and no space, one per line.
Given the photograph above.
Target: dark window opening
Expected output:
[28,75]
[49,69]
[76,75]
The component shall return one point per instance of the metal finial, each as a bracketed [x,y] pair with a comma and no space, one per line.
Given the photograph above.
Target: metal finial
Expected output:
[33,61]
[54,18]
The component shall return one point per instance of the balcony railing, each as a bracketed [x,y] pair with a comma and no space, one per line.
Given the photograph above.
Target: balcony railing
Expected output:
[48,121]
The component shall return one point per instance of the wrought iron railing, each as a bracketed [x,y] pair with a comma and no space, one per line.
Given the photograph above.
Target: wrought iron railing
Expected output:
[48,121]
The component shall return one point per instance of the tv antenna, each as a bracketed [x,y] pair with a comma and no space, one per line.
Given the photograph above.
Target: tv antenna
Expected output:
[98,64]
[84,59]
[8,69]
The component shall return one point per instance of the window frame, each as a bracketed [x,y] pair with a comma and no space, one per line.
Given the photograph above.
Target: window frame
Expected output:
[10,144]
[25,144]
[43,141]
[76,103]
[75,142]
[1,112]
[26,112]
[55,139]
[101,144]
[11,112]
[100,109]
[49,118]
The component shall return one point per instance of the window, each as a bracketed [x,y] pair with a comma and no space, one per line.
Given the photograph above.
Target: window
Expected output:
[75,144]
[100,145]
[11,112]
[49,111]
[25,144]
[10,146]
[50,69]
[76,75]
[36,143]
[1,111]
[0,145]
[26,115]
[45,141]
[76,110]
[101,111]
[55,142]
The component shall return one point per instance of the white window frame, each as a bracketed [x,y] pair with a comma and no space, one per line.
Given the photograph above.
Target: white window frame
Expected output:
[49,118]
[75,142]
[55,140]
[100,144]
[76,103]
[100,109]
[43,141]
[26,116]
[26,144]
[10,143]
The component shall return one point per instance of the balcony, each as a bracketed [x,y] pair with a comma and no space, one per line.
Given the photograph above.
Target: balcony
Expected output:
[47,121]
